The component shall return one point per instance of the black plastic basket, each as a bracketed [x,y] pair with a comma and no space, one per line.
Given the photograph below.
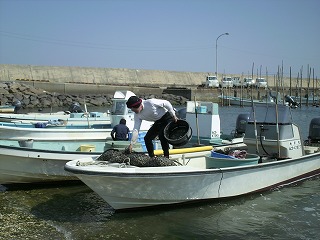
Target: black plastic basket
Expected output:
[178,133]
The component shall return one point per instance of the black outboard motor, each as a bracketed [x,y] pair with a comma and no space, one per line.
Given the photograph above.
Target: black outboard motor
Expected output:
[314,130]
[17,105]
[290,101]
[241,124]
[75,108]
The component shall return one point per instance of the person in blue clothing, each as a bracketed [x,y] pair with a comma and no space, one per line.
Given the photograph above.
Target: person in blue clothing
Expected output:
[120,132]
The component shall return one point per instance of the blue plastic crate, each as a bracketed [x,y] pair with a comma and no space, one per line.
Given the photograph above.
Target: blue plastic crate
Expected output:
[202,109]
[141,136]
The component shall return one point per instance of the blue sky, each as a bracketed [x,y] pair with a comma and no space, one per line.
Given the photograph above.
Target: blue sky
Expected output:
[172,35]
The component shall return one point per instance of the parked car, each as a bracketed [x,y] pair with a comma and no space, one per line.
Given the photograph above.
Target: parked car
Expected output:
[261,83]
[248,82]
[211,81]
[236,82]
[226,82]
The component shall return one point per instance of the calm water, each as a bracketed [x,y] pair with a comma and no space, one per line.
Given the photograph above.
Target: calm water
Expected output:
[73,211]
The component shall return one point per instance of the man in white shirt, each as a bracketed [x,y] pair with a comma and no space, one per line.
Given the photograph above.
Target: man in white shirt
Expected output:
[160,112]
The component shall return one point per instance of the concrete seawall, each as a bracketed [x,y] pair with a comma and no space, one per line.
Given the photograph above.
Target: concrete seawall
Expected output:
[78,80]
[105,76]
[112,76]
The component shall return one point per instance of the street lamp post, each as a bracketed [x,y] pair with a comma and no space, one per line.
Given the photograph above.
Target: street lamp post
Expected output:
[217,52]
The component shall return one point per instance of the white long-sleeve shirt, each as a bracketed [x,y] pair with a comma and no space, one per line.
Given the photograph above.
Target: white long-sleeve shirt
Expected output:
[153,109]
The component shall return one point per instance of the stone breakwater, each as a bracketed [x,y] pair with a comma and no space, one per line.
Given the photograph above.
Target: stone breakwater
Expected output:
[32,97]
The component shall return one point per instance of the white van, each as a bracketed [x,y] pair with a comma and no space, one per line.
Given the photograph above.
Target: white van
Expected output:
[211,81]
[248,82]
[236,82]
[261,83]
[226,82]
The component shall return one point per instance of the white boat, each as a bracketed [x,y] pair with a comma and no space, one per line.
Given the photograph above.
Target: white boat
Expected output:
[119,110]
[10,108]
[7,109]
[55,124]
[77,118]
[270,98]
[304,100]
[75,115]
[269,133]
[22,133]
[35,161]
[29,160]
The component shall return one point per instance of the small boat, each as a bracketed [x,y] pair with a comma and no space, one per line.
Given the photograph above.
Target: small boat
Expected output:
[93,131]
[270,98]
[31,161]
[64,134]
[28,160]
[78,117]
[62,124]
[306,99]
[7,109]
[10,108]
[275,157]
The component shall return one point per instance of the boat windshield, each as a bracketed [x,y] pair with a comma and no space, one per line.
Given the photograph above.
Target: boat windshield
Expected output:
[267,114]
[119,108]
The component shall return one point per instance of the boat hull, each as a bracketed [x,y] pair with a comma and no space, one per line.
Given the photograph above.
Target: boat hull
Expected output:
[42,161]
[178,184]
[20,133]
[7,109]
[72,119]
[20,165]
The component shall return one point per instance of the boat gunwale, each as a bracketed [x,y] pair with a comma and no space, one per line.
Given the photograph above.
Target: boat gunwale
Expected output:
[85,171]
[25,149]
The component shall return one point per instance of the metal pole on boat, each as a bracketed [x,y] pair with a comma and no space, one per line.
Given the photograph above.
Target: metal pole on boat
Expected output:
[254,117]
[86,112]
[316,91]
[277,118]
[313,86]
[290,88]
[301,84]
[282,84]
[308,86]
[296,91]
[197,123]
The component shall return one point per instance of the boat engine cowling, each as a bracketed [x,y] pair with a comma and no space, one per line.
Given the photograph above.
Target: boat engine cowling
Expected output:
[314,130]
[75,108]
[291,102]
[241,124]
[17,105]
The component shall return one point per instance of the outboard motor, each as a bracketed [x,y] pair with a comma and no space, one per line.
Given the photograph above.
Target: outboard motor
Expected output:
[75,108]
[314,130]
[290,101]
[241,124]
[17,105]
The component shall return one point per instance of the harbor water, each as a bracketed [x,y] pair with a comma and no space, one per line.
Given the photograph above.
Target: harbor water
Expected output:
[71,210]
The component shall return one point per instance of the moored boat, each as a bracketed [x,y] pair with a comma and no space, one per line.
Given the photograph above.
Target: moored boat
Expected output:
[270,135]
[7,109]
[32,161]
[75,116]
[270,98]
[10,108]
[93,131]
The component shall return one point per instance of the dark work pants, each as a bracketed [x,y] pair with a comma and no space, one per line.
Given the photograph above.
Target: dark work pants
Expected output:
[157,129]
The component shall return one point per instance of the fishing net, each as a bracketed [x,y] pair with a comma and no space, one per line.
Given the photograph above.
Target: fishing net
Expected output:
[135,159]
